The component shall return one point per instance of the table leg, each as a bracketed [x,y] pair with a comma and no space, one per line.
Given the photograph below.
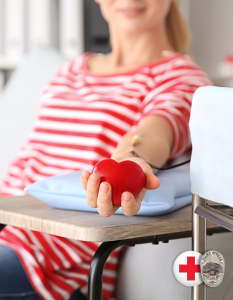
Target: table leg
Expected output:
[2,226]
[99,260]
[106,248]
[198,243]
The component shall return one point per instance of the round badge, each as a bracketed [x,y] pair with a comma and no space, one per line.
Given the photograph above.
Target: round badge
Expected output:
[212,268]
[187,269]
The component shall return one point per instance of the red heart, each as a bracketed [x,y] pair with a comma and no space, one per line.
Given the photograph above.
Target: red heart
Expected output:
[126,176]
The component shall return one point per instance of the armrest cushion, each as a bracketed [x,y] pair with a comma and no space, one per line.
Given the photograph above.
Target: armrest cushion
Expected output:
[66,192]
[211,127]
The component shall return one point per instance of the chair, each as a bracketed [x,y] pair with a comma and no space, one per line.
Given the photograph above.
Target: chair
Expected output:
[28,212]
[138,230]
[211,165]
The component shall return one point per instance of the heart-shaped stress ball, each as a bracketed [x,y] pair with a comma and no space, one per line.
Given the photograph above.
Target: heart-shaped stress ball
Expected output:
[126,176]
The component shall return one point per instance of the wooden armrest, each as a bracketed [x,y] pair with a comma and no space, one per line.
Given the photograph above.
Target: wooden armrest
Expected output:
[31,213]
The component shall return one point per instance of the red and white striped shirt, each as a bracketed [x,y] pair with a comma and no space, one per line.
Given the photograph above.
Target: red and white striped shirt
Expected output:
[81,119]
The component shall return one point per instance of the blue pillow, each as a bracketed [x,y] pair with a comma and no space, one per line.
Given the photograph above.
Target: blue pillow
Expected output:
[66,192]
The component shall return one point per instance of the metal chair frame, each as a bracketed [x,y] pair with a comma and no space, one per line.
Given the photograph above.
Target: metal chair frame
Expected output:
[200,212]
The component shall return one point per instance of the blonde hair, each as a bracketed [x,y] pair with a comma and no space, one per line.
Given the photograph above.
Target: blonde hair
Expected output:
[178,32]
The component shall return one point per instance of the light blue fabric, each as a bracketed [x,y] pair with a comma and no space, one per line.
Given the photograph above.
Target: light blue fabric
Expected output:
[66,192]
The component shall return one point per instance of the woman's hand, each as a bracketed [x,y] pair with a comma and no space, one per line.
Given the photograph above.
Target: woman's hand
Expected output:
[99,195]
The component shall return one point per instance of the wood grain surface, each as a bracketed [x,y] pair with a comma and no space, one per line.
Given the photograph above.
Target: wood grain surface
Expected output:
[29,212]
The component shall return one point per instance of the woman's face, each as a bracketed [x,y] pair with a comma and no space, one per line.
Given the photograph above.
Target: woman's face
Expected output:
[134,15]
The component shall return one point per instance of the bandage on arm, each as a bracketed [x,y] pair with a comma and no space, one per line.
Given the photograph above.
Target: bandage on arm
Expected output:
[156,145]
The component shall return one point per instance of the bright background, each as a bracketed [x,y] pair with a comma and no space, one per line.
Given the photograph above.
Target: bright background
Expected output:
[74,26]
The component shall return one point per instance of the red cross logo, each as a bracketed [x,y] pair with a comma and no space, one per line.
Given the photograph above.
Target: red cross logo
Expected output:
[191,269]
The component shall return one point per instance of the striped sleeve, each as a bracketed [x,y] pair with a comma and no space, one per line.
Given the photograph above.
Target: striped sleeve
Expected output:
[172,99]
[12,183]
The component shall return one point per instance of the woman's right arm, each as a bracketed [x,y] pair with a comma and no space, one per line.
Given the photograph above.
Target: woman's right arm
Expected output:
[168,105]
[155,148]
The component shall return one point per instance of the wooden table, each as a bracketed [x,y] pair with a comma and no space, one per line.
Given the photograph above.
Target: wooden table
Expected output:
[118,230]
[29,212]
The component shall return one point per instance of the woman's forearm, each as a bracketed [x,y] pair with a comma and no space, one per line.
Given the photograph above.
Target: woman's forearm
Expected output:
[156,144]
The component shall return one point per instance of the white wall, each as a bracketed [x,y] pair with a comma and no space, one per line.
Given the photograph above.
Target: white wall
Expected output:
[185,8]
[145,271]
[211,23]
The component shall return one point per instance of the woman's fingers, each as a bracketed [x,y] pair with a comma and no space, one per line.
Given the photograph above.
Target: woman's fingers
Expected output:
[131,205]
[152,182]
[141,196]
[104,201]
[84,178]
[99,195]
[92,190]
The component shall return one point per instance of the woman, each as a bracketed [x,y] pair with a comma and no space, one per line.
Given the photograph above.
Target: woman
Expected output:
[90,110]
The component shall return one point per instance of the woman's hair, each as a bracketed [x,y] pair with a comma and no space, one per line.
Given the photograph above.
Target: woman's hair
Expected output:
[178,32]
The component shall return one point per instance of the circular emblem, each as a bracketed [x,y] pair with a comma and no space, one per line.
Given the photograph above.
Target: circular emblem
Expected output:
[187,269]
[212,268]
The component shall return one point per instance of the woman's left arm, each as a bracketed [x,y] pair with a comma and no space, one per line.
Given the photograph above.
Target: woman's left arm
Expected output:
[157,141]
[156,145]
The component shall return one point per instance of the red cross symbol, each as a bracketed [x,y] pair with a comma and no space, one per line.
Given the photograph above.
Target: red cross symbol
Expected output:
[191,269]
